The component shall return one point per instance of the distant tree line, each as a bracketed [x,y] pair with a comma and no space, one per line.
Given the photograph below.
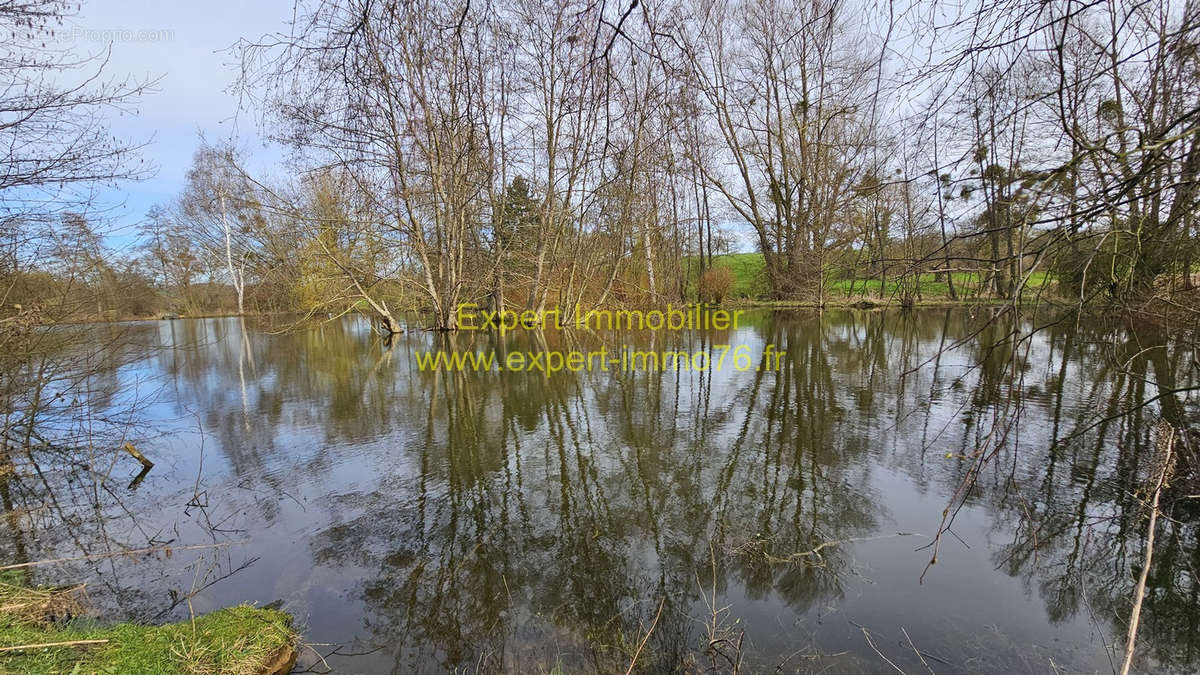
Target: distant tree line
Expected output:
[586,153]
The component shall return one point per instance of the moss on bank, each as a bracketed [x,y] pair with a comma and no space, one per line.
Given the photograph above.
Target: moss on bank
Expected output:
[240,639]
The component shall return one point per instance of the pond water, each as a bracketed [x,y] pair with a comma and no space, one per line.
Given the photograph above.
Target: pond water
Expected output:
[773,518]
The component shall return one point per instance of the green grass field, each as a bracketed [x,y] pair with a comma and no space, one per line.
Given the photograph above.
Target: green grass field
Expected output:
[930,286]
[750,279]
[750,283]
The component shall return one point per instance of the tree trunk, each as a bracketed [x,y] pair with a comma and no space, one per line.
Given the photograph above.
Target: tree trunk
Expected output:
[233,273]
[649,262]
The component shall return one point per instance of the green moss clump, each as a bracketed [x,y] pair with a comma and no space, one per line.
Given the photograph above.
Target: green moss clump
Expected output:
[240,639]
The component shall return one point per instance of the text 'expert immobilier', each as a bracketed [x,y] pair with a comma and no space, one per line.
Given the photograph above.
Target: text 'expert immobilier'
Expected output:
[689,317]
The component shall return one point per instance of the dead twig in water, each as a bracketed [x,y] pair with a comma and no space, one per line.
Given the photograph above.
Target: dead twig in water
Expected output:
[1083,594]
[924,655]
[720,635]
[867,635]
[838,542]
[1166,443]
[146,464]
[917,651]
[117,554]
[646,637]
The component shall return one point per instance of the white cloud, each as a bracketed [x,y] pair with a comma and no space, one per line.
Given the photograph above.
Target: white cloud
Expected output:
[184,44]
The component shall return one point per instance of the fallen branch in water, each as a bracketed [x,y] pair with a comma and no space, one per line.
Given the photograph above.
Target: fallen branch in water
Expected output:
[1166,443]
[116,554]
[646,637]
[870,642]
[128,447]
[916,651]
[816,551]
[44,645]
[719,634]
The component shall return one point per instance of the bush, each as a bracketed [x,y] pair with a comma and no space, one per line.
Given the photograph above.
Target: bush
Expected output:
[1110,269]
[715,284]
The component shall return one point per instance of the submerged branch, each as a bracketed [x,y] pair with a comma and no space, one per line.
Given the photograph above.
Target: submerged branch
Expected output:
[117,554]
[1167,445]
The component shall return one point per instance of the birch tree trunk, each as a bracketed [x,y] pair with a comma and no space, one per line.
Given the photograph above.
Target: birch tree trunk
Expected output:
[236,277]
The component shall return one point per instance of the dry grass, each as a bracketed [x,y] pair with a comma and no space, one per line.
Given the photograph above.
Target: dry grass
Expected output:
[41,608]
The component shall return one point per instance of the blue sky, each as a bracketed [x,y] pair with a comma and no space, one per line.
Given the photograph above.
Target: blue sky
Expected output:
[183,43]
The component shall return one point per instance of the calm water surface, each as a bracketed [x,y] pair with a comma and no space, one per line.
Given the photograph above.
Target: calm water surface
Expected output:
[431,521]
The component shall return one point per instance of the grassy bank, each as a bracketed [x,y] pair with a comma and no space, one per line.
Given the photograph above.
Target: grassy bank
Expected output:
[40,634]
[926,286]
[750,286]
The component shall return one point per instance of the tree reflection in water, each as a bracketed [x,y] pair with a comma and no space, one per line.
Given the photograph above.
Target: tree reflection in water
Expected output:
[488,520]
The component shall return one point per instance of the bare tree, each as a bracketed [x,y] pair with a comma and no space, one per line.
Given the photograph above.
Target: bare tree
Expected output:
[223,210]
[393,94]
[785,87]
